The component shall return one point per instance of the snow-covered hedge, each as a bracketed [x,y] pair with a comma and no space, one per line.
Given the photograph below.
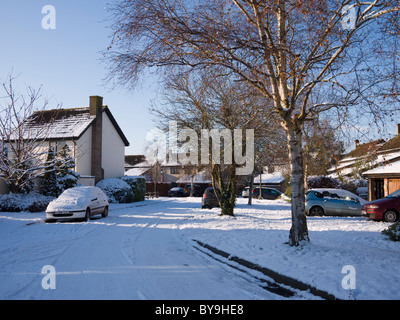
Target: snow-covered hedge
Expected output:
[138,185]
[117,190]
[32,202]
[323,182]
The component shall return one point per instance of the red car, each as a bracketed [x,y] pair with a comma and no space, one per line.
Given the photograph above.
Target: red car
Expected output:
[386,209]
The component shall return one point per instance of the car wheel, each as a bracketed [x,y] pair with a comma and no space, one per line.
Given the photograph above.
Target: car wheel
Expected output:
[316,211]
[105,212]
[87,216]
[390,216]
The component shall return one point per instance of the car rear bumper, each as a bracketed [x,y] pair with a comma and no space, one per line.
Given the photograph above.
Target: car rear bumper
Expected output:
[210,202]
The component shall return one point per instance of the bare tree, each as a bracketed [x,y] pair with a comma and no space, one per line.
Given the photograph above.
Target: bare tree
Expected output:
[213,101]
[22,154]
[289,51]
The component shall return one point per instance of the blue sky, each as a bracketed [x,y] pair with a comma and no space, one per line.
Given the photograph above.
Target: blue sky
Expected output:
[66,61]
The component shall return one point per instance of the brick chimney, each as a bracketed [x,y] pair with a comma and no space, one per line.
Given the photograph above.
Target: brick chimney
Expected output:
[96,110]
[356,144]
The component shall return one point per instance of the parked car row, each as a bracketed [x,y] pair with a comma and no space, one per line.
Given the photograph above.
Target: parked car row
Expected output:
[85,202]
[185,192]
[338,202]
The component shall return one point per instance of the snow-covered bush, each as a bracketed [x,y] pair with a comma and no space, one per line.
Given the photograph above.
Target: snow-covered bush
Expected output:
[116,190]
[138,185]
[323,182]
[32,202]
[393,232]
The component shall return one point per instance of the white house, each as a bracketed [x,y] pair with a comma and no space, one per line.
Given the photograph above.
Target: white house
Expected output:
[94,137]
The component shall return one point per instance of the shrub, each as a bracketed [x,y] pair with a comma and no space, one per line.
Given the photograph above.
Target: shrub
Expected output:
[116,190]
[138,185]
[323,182]
[59,174]
[31,202]
[393,232]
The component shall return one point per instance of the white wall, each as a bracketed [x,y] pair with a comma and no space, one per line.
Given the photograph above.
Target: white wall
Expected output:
[113,153]
[83,157]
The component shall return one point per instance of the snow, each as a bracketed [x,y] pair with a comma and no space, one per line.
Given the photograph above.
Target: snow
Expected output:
[272,178]
[200,177]
[346,166]
[393,167]
[146,250]
[67,123]
[136,171]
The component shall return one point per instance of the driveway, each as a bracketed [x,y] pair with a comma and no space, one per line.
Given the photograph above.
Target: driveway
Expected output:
[138,252]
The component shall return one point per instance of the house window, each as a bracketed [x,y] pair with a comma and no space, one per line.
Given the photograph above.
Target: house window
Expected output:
[174,170]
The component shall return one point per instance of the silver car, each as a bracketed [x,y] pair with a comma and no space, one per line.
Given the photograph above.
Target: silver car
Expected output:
[331,204]
[78,203]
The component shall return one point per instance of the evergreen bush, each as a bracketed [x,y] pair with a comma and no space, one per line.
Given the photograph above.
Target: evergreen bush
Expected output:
[393,232]
[138,185]
[116,190]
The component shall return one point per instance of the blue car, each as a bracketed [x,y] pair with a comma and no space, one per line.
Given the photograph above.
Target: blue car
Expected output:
[331,204]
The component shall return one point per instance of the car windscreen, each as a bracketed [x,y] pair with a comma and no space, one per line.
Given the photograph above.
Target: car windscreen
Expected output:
[75,193]
[395,194]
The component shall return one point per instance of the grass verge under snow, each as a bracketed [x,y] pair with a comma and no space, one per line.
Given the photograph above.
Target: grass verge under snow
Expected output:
[259,233]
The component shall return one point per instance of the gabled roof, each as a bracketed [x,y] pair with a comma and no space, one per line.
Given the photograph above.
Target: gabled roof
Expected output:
[392,144]
[58,124]
[64,124]
[365,148]
[365,152]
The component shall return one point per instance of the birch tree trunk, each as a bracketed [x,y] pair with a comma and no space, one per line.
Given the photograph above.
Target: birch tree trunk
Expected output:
[299,230]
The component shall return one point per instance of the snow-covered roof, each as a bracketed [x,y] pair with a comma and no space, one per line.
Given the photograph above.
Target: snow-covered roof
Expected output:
[143,164]
[201,177]
[59,124]
[136,171]
[270,178]
[390,168]
[347,168]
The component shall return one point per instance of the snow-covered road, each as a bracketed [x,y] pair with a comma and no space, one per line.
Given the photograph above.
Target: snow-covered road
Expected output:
[150,250]
[138,252]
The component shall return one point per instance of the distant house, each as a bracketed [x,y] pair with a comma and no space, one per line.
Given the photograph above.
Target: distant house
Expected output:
[168,171]
[92,134]
[378,162]
[358,160]
[384,177]
[142,168]
[272,180]
[160,177]
[131,161]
